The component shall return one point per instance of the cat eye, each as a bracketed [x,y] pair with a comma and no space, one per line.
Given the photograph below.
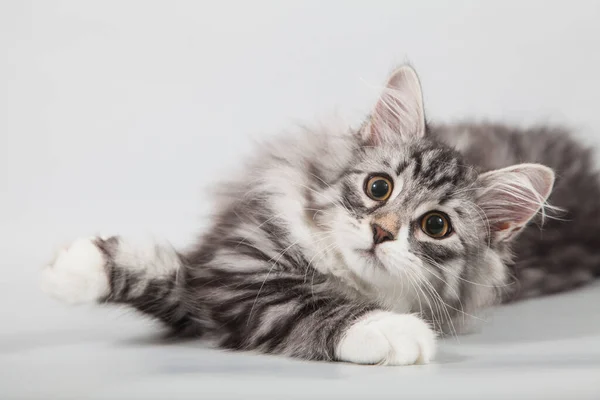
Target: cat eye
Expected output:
[379,187]
[436,224]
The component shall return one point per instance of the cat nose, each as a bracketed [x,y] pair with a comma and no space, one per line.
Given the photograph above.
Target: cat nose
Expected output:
[381,235]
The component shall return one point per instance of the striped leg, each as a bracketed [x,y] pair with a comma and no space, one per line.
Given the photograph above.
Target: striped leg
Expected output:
[270,313]
[115,270]
[283,313]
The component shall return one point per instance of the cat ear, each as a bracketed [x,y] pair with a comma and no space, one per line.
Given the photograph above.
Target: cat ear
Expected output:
[399,110]
[511,196]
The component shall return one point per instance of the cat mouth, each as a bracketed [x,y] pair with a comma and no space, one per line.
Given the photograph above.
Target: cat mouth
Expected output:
[370,255]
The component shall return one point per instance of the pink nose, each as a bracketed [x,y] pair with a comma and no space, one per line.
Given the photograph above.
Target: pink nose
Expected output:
[380,235]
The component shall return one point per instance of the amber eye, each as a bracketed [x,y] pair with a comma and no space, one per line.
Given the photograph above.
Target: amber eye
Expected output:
[379,187]
[436,224]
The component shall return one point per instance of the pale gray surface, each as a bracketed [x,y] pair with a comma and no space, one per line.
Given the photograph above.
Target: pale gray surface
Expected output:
[542,349]
[115,114]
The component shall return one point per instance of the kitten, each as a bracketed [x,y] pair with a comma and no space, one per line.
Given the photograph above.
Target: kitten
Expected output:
[359,245]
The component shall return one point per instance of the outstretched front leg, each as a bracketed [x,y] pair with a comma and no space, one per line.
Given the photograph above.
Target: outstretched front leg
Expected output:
[118,271]
[272,312]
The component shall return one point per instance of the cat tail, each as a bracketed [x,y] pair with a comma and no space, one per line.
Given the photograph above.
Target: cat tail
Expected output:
[555,272]
[148,277]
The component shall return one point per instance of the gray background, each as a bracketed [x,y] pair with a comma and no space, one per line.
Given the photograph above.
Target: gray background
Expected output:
[115,115]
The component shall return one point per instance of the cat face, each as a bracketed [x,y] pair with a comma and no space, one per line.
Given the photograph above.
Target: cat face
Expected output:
[407,212]
[407,209]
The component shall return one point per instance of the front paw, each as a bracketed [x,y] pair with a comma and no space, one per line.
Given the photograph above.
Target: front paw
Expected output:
[387,338]
[78,275]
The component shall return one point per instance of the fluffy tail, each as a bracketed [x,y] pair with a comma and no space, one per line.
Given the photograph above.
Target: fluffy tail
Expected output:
[557,271]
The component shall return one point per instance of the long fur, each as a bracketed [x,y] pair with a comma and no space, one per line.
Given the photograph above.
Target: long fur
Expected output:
[290,264]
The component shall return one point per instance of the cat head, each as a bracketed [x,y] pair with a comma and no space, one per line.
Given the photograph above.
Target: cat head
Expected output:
[409,209]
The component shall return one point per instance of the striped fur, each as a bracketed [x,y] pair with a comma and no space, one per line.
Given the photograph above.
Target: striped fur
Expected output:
[290,264]
[565,253]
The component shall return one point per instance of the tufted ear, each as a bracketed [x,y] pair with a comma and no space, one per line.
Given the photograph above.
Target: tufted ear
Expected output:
[399,110]
[511,196]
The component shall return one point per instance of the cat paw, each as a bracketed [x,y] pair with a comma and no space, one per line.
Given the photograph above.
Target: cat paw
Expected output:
[78,274]
[386,338]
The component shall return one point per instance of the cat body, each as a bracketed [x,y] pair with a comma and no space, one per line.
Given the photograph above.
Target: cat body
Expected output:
[354,245]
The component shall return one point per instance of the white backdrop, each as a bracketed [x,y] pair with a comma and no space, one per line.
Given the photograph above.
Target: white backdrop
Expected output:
[114,115]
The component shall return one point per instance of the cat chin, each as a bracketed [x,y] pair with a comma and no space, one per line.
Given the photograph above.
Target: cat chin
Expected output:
[368,267]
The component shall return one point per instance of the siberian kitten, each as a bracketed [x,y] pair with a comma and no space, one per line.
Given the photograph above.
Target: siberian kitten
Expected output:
[359,245]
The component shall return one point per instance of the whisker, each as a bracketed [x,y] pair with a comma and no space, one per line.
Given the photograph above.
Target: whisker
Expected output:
[445,269]
[267,277]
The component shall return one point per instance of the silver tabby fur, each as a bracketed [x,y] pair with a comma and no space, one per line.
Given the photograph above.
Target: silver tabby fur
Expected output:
[289,263]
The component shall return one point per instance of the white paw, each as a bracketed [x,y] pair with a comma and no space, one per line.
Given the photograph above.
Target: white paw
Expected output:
[383,337]
[78,275]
